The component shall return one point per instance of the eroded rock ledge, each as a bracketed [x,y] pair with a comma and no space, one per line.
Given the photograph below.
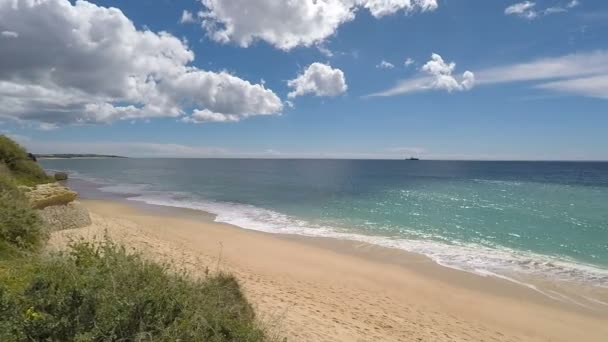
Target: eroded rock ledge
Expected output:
[57,206]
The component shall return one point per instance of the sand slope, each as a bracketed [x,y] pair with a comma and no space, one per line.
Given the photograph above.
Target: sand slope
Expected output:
[325,290]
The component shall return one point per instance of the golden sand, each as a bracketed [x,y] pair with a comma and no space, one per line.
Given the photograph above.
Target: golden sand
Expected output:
[328,290]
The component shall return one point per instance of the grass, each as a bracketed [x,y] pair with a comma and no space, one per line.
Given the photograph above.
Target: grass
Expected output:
[102,293]
[14,158]
[20,227]
[99,292]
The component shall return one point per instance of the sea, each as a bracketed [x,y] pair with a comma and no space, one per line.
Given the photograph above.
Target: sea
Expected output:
[548,220]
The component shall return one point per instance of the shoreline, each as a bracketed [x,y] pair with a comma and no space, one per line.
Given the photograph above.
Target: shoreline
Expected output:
[560,274]
[577,296]
[330,285]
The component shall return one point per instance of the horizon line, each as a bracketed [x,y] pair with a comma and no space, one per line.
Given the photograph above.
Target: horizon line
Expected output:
[102,156]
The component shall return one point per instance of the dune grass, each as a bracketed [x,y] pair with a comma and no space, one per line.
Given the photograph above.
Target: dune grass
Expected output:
[14,160]
[99,292]
[20,227]
[102,293]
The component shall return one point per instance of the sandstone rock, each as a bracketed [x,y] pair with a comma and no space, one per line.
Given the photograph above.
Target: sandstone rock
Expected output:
[61,217]
[45,195]
[61,176]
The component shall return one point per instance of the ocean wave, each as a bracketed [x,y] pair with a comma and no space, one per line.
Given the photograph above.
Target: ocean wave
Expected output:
[482,260]
[497,182]
[468,257]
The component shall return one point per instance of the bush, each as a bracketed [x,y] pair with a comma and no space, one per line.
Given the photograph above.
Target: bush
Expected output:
[101,293]
[20,225]
[28,172]
[11,152]
[23,169]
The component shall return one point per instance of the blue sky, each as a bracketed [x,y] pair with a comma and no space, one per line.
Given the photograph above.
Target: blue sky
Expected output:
[253,79]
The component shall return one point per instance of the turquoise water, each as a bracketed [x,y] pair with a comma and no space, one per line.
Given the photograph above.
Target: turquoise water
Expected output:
[543,218]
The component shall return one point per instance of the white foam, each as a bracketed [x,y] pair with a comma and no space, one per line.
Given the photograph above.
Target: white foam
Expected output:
[462,256]
[496,261]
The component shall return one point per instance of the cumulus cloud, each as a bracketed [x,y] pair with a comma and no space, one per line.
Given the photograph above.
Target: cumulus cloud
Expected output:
[205,115]
[187,17]
[83,63]
[581,74]
[288,24]
[436,75]
[442,75]
[385,65]
[409,61]
[320,80]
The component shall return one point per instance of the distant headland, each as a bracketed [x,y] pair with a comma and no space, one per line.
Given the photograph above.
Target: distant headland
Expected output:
[75,156]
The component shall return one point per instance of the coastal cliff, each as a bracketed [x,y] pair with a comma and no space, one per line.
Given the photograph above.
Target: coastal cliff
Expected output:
[57,206]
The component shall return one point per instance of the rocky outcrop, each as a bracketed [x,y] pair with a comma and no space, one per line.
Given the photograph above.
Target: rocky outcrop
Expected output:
[46,195]
[69,216]
[57,206]
[61,176]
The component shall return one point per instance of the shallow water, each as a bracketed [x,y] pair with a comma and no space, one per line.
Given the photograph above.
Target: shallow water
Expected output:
[548,219]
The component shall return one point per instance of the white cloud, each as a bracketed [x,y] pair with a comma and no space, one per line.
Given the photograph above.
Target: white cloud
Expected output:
[83,63]
[564,67]
[442,75]
[9,34]
[320,80]
[573,3]
[528,9]
[380,8]
[205,115]
[582,74]
[287,24]
[592,86]
[561,9]
[385,65]
[325,51]
[187,17]
[523,9]
[409,61]
[439,76]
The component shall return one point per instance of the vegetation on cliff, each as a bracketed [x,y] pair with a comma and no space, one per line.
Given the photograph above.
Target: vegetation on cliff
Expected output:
[15,162]
[21,229]
[100,292]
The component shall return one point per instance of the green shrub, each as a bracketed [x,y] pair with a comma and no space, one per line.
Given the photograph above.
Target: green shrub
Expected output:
[28,172]
[20,225]
[101,293]
[23,169]
[11,152]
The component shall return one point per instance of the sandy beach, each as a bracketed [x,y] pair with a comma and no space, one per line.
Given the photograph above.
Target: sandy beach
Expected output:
[309,289]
